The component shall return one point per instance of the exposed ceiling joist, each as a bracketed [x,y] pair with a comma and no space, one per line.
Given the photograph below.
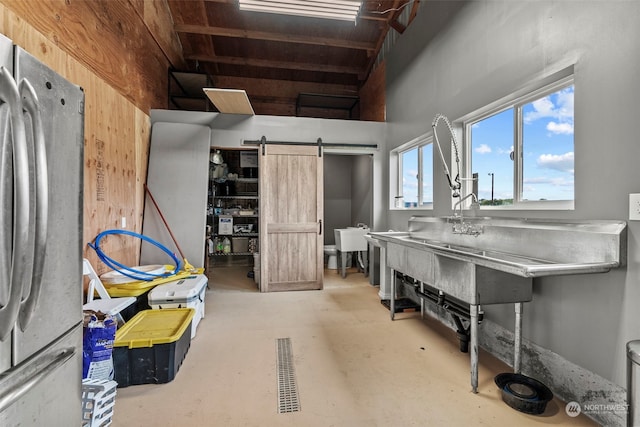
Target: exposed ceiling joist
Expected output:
[265,35]
[276,57]
[275,64]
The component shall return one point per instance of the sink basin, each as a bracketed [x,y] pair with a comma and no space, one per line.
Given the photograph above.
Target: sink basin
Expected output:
[498,265]
[351,239]
[512,263]
[374,238]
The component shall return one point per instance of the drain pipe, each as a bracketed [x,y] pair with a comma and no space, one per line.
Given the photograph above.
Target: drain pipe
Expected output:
[462,333]
[457,310]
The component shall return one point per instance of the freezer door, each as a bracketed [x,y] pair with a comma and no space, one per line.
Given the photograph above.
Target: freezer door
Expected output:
[46,389]
[6,53]
[59,303]
[6,203]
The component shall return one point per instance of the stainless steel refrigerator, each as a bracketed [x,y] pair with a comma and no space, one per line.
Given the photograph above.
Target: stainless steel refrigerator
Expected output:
[41,187]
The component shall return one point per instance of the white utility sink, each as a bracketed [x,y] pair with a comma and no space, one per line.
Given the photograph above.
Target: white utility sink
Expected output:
[350,239]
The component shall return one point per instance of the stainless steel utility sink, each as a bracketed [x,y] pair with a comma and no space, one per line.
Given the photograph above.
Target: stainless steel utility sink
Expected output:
[498,265]
[521,247]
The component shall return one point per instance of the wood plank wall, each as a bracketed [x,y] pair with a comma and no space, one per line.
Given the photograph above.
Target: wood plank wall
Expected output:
[372,96]
[261,91]
[113,50]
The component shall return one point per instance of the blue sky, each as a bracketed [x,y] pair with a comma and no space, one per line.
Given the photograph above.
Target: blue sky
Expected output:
[548,153]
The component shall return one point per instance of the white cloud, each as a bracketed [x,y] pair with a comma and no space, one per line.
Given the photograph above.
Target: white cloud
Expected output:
[558,182]
[483,149]
[503,151]
[563,162]
[410,180]
[560,128]
[559,107]
[542,108]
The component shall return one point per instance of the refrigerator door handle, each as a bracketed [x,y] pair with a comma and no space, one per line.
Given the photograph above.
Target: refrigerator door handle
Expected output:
[22,254]
[32,107]
[27,375]
[6,204]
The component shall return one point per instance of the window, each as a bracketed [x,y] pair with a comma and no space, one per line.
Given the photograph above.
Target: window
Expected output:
[523,150]
[415,173]
[410,178]
[427,175]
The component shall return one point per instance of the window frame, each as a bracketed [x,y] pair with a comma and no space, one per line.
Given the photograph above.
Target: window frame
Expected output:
[395,158]
[516,102]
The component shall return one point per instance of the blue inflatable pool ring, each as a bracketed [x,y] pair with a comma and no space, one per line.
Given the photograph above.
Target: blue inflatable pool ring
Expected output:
[128,271]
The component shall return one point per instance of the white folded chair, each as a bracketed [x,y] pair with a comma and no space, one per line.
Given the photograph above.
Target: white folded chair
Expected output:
[106,304]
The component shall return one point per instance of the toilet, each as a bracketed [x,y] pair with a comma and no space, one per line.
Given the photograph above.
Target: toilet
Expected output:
[332,254]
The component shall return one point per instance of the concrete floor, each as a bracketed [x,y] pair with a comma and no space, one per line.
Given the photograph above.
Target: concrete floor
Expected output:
[353,365]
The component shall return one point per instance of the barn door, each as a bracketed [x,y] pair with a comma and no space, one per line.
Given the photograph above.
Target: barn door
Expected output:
[291,206]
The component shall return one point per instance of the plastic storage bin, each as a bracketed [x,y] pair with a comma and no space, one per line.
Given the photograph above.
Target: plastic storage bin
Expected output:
[150,347]
[184,293]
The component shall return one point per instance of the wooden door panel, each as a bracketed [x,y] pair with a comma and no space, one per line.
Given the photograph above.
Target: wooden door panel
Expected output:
[289,271]
[291,213]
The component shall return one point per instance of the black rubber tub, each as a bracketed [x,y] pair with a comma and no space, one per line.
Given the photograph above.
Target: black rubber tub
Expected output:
[523,393]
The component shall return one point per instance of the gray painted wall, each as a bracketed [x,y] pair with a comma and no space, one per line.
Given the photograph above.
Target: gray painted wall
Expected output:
[228,130]
[362,190]
[337,194]
[348,192]
[177,179]
[490,49]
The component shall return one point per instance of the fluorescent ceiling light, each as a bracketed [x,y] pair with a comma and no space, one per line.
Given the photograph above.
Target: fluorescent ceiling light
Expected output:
[346,10]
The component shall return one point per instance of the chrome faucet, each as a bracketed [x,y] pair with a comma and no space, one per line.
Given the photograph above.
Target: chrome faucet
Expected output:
[460,226]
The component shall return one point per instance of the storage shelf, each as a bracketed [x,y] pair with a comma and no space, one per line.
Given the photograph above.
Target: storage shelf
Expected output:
[240,196]
[241,180]
[238,215]
[232,253]
[240,199]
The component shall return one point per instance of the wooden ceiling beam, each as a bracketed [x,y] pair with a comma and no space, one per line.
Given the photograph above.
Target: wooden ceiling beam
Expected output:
[392,18]
[265,63]
[372,17]
[277,37]
[399,27]
[414,11]
[281,88]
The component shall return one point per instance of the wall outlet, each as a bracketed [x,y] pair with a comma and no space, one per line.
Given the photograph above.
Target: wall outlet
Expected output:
[123,222]
[634,207]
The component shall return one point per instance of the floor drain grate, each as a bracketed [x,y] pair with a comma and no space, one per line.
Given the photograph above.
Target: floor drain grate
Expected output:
[288,400]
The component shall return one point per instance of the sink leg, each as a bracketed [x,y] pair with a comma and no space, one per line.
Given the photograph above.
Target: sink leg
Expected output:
[474,346]
[517,351]
[365,261]
[392,299]
[344,264]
